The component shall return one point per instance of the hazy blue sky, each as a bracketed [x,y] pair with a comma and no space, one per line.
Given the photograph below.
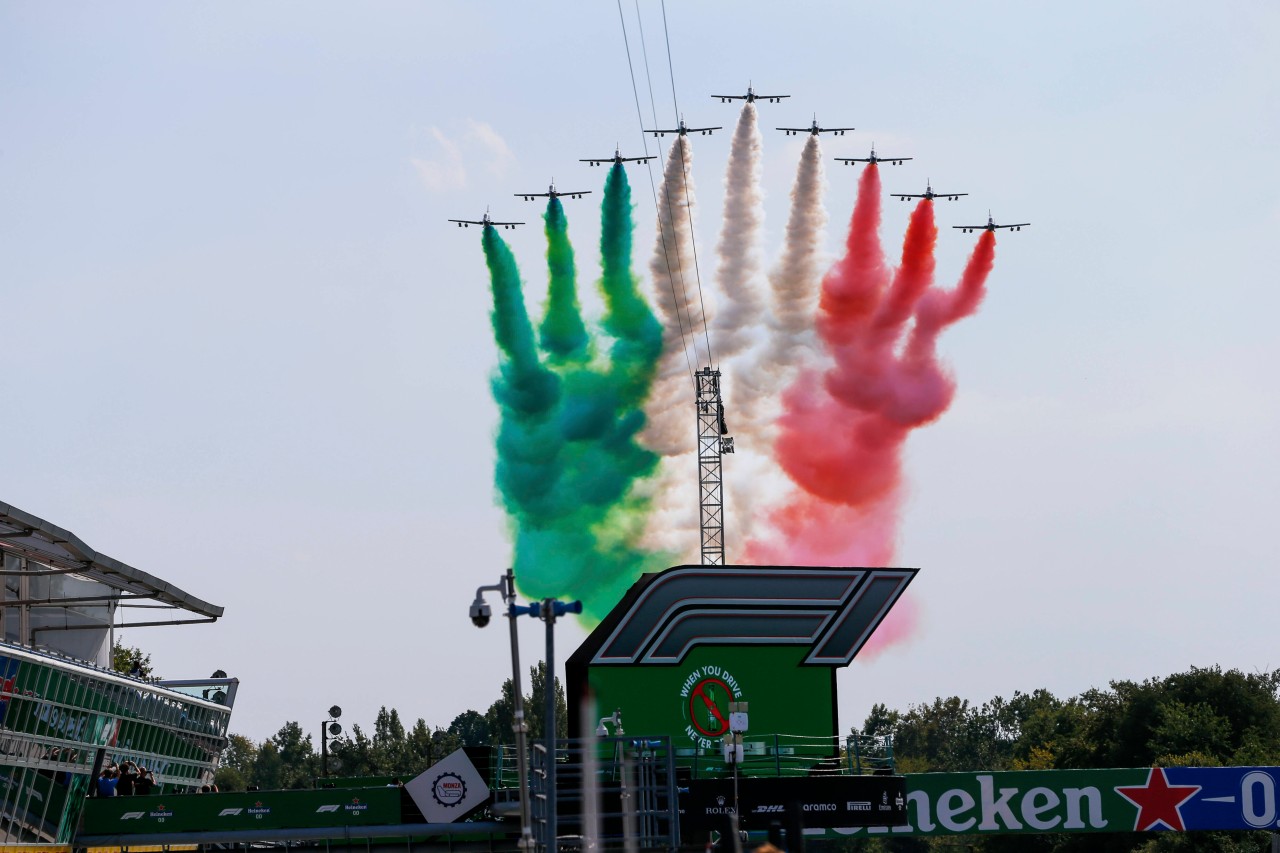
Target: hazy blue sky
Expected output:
[244,351]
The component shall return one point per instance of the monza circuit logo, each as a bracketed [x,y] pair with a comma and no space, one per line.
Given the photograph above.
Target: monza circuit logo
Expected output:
[449,789]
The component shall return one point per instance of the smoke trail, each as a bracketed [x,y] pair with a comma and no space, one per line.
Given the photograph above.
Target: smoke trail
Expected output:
[568,461]
[738,270]
[562,334]
[527,393]
[669,431]
[842,432]
[794,282]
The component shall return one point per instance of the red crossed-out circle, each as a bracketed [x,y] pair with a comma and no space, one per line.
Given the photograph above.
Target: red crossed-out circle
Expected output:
[708,707]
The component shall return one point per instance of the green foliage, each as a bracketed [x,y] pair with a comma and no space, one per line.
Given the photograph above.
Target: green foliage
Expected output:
[1203,717]
[131,660]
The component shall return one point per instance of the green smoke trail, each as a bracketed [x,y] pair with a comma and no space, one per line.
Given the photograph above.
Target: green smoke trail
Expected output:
[528,445]
[563,334]
[568,460]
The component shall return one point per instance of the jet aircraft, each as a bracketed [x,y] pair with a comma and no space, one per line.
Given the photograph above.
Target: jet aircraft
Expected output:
[751,97]
[814,129]
[684,130]
[552,192]
[849,161]
[990,226]
[617,158]
[486,222]
[928,193]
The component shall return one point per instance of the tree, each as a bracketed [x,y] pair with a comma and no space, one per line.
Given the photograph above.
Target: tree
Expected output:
[131,660]
[471,728]
[535,705]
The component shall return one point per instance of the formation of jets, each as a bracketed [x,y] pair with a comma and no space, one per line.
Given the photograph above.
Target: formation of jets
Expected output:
[849,161]
[486,222]
[618,158]
[814,129]
[990,226]
[928,193]
[552,192]
[683,129]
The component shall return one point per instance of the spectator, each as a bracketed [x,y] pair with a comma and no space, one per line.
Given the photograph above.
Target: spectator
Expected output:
[145,783]
[107,782]
[128,782]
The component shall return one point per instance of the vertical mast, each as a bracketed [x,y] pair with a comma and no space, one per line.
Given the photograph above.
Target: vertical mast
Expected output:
[713,441]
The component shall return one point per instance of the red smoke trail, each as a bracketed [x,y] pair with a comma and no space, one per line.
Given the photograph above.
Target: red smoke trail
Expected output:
[842,432]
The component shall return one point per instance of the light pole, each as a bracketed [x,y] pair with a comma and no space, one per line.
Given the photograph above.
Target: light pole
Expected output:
[327,728]
[480,613]
[548,610]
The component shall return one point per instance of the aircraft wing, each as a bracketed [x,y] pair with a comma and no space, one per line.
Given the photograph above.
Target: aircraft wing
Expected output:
[731,97]
[638,159]
[796,129]
[467,221]
[771,97]
[528,196]
[659,132]
[907,195]
[952,196]
[1014,225]
[702,129]
[505,224]
[857,159]
[835,129]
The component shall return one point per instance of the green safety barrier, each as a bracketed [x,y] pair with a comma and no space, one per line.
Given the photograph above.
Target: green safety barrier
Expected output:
[252,810]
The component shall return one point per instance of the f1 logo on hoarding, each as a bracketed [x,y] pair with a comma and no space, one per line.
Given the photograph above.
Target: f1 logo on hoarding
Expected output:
[133,815]
[332,808]
[231,812]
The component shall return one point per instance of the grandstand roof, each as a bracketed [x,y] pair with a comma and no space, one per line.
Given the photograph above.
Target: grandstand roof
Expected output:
[33,537]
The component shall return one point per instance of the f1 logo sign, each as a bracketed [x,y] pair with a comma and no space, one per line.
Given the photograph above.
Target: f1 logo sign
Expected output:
[323,809]
[132,815]
[232,812]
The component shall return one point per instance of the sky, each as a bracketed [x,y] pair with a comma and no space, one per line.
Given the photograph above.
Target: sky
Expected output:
[245,352]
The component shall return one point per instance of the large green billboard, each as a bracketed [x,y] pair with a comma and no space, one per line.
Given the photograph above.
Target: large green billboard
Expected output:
[685,643]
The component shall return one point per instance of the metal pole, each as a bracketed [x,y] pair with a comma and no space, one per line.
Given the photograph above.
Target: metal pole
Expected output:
[324,749]
[521,728]
[549,720]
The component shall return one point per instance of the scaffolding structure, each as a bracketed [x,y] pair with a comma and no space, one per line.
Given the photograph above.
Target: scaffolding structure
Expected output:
[713,442]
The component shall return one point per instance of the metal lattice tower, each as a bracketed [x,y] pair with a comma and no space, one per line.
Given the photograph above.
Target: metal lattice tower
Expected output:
[713,441]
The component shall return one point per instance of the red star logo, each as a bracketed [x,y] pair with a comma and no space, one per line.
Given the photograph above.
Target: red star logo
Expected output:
[1158,802]
[258,804]
[356,800]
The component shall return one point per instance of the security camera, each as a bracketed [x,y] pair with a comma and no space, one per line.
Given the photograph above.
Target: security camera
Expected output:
[480,613]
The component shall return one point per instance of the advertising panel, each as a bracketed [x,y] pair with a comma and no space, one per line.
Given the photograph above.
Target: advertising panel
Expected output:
[1116,800]
[255,810]
[816,801]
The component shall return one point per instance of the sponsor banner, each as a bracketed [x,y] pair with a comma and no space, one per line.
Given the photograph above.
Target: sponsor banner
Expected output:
[1116,800]
[448,790]
[819,801]
[257,810]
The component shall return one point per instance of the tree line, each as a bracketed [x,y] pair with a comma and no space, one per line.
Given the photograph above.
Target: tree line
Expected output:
[291,759]
[1200,718]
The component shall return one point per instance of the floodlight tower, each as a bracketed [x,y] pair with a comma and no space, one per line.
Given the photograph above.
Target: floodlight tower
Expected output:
[713,441]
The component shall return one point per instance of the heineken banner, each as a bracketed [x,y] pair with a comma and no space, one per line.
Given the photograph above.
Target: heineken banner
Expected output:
[257,810]
[1137,800]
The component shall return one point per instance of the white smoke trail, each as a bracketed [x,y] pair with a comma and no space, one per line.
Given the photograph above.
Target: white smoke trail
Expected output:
[757,383]
[670,428]
[738,271]
[795,281]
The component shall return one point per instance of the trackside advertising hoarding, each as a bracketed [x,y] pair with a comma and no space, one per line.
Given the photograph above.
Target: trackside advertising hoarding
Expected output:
[255,810]
[1118,800]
